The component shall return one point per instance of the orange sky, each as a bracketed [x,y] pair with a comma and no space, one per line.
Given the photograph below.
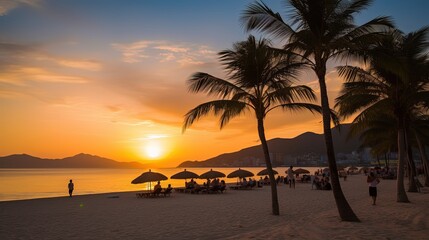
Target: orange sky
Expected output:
[110,80]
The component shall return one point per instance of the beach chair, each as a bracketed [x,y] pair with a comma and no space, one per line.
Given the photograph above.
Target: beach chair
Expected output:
[166,192]
[142,194]
[150,194]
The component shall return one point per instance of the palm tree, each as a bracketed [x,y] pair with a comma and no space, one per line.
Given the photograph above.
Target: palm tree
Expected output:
[259,80]
[397,81]
[376,133]
[320,30]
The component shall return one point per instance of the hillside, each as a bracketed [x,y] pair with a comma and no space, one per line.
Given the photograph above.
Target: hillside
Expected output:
[81,160]
[304,144]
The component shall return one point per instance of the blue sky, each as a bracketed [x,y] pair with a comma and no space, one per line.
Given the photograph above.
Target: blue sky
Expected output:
[108,77]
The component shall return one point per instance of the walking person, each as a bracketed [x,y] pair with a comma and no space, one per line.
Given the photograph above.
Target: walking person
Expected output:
[373,181]
[71,187]
[291,177]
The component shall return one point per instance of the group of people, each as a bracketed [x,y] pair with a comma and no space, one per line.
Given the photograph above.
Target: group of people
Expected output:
[210,186]
[158,186]
[251,183]
[321,183]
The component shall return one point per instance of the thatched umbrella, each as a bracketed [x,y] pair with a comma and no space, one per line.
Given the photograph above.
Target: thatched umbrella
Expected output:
[363,169]
[352,168]
[212,174]
[184,175]
[240,173]
[149,177]
[301,171]
[265,172]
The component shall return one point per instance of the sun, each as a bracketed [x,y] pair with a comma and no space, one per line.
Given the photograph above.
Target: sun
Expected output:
[153,150]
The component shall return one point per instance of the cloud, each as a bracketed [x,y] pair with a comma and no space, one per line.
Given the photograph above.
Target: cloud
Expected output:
[164,51]
[25,54]
[80,64]
[132,52]
[18,75]
[8,5]
[172,49]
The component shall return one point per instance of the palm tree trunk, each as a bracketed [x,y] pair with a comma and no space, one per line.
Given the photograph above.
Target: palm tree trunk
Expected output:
[401,195]
[274,198]
[412,185]
[344,209]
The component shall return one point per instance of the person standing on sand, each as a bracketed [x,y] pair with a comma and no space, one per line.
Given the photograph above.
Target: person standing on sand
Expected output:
[291,177]
[71,187]
[373,181]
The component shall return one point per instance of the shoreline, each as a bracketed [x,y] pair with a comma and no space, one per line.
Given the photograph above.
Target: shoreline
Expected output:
[304,214]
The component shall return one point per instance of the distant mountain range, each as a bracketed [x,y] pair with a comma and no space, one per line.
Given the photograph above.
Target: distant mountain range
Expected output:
[81,160]
[304,144]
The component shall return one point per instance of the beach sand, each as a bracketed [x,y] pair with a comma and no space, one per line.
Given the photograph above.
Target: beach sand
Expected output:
[236,214]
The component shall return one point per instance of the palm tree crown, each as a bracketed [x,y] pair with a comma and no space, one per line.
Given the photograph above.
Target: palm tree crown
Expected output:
[320,30]
[396,83]
[259,80]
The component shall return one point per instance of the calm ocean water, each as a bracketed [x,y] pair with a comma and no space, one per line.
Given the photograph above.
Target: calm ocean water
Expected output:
[18,184]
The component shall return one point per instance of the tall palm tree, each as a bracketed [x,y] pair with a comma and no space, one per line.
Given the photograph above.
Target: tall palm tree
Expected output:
[397,81]
[259,80]
[376,133]
[320,30]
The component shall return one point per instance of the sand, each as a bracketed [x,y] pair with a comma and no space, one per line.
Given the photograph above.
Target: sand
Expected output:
[236,214]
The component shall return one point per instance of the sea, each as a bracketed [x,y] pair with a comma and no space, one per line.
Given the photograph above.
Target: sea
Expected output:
[21,184]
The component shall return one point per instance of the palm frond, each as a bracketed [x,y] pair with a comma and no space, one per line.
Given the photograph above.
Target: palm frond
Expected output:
[206,83]
[227,108]
[258,16]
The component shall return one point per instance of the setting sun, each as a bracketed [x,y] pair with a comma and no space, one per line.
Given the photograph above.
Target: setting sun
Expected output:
[153,150]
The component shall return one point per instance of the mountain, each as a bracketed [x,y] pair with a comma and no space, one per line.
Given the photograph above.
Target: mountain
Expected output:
[81,160]
[306,149]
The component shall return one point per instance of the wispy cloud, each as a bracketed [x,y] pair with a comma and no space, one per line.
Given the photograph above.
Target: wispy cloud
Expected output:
[81,64]
[18,75]
[133,52]
[164,51]
[8,5]
[15,53]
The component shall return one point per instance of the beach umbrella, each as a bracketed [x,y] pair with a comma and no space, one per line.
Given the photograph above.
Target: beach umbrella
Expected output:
[184,175]
[353,168]
[212,174]
[240,173]
[301,171]
[265,172]
[149,177]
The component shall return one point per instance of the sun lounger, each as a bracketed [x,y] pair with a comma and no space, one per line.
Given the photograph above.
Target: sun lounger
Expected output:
[240,187]
[149,194]
[166,192]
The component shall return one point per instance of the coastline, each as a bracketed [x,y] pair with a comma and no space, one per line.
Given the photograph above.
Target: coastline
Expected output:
[304,214]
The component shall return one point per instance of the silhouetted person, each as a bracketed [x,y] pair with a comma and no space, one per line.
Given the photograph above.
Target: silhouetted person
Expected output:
[373,181]
[291,177]
[71,188]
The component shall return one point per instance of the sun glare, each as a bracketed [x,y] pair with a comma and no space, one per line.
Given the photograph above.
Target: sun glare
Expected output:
[153,150]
